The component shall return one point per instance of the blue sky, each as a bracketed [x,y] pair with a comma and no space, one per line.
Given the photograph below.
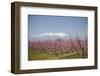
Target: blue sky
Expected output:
[39,24]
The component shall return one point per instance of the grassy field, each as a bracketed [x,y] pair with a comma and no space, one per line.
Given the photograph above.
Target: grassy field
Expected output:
[36,55]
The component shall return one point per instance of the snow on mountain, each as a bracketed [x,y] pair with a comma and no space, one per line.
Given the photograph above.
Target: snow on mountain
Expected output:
[50,36]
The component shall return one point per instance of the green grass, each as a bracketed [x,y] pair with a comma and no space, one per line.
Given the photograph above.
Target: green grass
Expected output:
[35,55]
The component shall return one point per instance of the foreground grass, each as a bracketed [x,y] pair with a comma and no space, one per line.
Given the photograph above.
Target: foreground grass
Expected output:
[33,55]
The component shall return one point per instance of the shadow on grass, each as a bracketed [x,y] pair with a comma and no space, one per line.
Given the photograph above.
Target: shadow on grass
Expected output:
[36,55]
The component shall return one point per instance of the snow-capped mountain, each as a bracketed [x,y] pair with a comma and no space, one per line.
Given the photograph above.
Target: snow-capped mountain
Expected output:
[50,36]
